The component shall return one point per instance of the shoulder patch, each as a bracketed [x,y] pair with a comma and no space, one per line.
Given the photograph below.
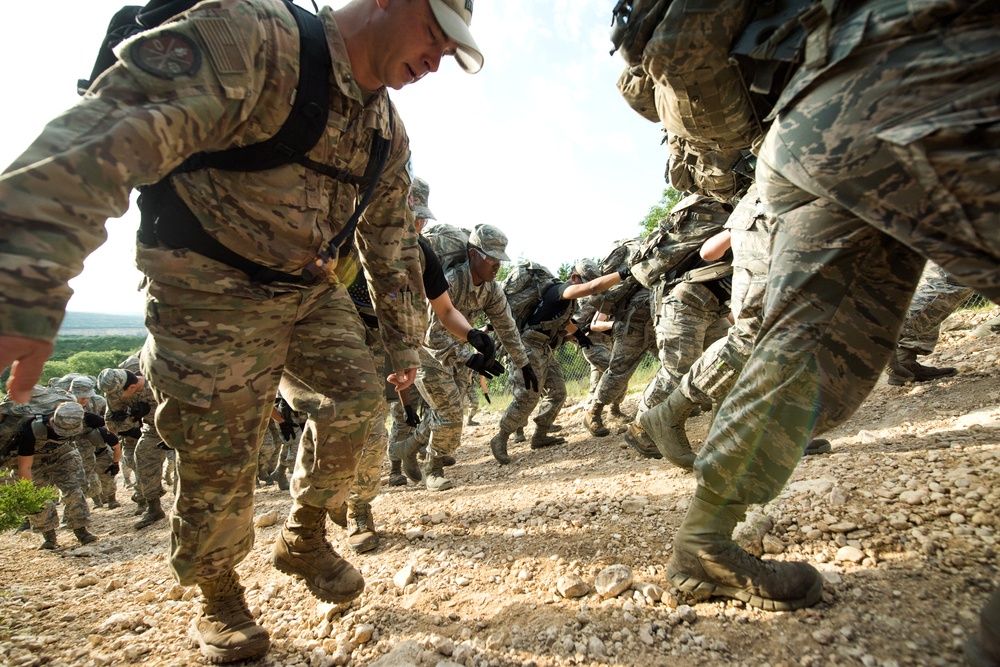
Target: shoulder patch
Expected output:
[167,55]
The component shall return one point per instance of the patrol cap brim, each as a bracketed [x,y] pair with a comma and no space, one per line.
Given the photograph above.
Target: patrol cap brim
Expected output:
[497,254]
[468,55]
[423,212]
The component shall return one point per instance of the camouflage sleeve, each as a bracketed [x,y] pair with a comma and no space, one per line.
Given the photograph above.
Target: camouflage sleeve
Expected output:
[390,255]
[137,124]
[498,312]
[116,418]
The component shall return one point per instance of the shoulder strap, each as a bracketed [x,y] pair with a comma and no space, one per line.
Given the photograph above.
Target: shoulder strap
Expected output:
[307,120]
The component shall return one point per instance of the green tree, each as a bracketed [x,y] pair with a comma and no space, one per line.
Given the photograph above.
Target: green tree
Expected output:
[659,210]
[85,363]
[565,269]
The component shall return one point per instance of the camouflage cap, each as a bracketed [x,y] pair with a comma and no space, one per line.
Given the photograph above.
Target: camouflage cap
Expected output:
[112,380]
[67,420]
[82,387]
[490,240]
[421,191]
[587,269]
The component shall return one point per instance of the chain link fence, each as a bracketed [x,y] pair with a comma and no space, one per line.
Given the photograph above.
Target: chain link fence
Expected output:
[576,369]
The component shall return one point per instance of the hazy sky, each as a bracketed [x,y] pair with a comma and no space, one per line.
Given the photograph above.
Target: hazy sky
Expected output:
[539,143]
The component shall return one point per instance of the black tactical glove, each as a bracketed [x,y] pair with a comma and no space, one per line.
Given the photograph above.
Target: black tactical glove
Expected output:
[412,418]
[581,339]
[139,410]
[530,379]
[287,430]
[134,432]
[162,445]
[92,420]
[110,438]
[112,469]
[489,367]
[118,415]
[625,273]
[483,343]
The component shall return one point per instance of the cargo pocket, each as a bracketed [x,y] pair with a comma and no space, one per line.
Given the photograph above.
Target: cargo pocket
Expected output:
[179,376]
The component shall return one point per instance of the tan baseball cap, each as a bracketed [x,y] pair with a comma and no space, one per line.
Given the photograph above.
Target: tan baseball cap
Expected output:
[455,18]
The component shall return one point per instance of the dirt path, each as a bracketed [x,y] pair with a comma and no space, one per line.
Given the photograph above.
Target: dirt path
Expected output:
[901,518]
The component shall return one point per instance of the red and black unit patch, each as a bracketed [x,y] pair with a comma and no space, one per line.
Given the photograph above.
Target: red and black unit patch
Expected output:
[167,55]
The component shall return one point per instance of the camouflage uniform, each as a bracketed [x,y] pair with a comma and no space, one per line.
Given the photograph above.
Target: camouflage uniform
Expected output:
[57,463]
[149,449]
[904,105]
[937,297]
[442,378]
[220,344]
[712,376]
[687,316]
[270,447]
[598,354]
[633,336]
[538,342]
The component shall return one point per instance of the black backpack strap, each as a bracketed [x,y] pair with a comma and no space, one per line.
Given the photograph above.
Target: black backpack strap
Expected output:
[306,122]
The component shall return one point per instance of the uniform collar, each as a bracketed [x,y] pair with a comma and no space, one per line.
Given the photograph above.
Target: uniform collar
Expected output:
[376,111]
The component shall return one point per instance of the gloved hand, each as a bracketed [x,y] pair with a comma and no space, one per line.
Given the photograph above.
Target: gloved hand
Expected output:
[287,430]
[112,469]
[489,367]
[162,445]
[412,418]
[93,421]
[109,438]
[483,343]
[530,379]
[581,339]
[139,410]
[132,432]
[118,415]
[625,273]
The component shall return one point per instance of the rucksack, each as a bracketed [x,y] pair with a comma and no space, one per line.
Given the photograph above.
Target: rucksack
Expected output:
[44,400]
[166,219]
[614,301]
[450,243]
[719,65]
[524,288]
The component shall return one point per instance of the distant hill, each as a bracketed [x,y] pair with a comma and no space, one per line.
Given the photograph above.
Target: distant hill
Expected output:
[102,324]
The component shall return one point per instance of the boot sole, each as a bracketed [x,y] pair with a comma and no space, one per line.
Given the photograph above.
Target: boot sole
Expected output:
[145,523]
[697,590]
[218,656]
[642,451]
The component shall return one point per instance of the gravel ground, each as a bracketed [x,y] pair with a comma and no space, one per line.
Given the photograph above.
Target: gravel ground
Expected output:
[559,558]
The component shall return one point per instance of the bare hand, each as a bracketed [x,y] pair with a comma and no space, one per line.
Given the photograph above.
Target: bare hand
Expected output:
[402,379]
[26,357]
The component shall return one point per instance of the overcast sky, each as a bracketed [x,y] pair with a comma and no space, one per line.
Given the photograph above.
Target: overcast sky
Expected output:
[539,143]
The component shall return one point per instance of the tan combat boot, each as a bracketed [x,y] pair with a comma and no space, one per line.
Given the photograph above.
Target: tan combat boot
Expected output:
[153,514]
[664,424]
[361,535]
[434,474]
[594,421]
[706,562]
[498,445]
[301,550]
[225,631]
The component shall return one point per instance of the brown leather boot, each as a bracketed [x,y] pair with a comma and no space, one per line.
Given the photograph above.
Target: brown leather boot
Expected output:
[706,562]
[225,630]
[301,550]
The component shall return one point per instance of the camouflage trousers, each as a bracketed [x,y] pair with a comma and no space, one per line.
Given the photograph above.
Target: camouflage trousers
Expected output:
[368,479]
[632,337]
[551,387]
[443,387]
[937,297]
[910,115]
[128,457]
[399,430]
[63,469]
[92,483]
[270,448]
[472,394]
[150,454]
[104,459]
[598,355]
[687,319]
[215,362]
